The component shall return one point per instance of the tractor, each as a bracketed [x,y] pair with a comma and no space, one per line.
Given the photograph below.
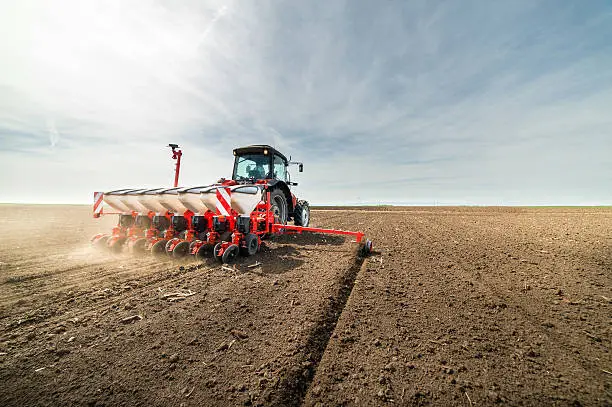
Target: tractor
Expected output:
[227,218]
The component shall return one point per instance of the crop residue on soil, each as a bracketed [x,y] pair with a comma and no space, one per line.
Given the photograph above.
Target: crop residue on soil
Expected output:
[457,306]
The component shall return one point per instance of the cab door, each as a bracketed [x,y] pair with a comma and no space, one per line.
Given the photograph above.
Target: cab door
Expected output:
[280,169]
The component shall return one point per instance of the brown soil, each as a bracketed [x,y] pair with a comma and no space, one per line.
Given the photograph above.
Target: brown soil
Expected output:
[476,307]
[457,306]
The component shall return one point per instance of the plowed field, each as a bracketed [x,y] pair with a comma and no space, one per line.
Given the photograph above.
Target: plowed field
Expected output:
[456,306]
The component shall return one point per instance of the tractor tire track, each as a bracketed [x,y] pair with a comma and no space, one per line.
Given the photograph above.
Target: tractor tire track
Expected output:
[294,387]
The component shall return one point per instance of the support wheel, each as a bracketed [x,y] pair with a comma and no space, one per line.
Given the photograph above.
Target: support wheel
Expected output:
[138,246]
[203,252]
[230,254]
[101,243]
[116,245]
[302,214]
[217,250]
[252,245]
[365,248]
[159,248]
[181,250]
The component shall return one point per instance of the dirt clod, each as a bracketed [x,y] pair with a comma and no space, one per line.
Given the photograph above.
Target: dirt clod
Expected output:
[239,334]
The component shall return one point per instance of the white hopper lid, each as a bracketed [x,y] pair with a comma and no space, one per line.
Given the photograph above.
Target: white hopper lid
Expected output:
[150,199]
[208,196]
[169,199]
[113,199]
[130,199]
[245,198]
[190,197]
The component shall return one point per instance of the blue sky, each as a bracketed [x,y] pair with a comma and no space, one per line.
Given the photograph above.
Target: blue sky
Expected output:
[414,102]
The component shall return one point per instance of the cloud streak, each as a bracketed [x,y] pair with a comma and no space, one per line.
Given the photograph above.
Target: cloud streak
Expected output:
[466,102]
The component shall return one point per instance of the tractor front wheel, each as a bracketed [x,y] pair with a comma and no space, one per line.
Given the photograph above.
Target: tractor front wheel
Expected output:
[302,214]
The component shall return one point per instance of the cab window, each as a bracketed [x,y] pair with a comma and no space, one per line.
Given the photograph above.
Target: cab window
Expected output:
[280,169]
[251,166]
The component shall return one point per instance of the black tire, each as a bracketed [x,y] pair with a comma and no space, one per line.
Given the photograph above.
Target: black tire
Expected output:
[252,245]
[365,248]
[302,214]
[216,251]
[101,243]
[230,254]
[159,248]
[278,206]
[203,252]
[116,246]
[138,246]
[181,250]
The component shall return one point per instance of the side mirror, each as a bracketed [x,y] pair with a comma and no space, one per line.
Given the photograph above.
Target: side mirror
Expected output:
[301,167]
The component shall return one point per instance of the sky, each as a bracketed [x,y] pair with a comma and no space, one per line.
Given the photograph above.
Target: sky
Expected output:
[385,102]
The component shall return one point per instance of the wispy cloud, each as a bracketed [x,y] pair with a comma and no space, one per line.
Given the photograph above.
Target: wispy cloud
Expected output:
[481,102]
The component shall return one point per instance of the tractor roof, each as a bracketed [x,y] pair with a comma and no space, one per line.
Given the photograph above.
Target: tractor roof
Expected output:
[258,149]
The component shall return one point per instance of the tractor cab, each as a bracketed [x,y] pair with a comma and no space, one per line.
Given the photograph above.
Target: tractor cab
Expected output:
[263,164]
[259,162]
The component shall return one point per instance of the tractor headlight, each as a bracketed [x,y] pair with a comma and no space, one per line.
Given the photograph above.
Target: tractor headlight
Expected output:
[265,151]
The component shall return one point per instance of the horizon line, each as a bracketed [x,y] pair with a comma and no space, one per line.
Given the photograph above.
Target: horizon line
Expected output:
[382,204]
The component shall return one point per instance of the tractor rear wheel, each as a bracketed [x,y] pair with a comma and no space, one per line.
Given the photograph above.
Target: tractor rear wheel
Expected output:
[278,206]
[302,214]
